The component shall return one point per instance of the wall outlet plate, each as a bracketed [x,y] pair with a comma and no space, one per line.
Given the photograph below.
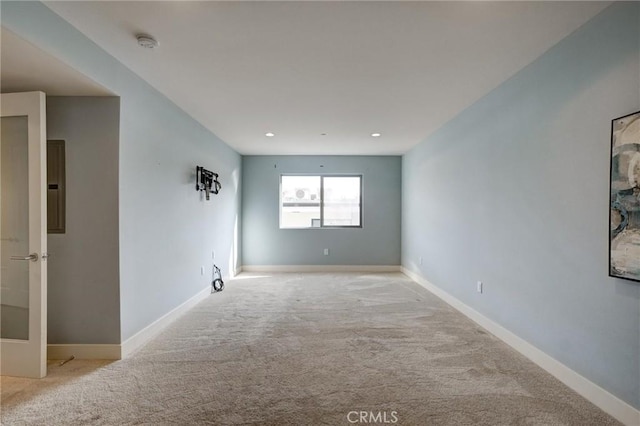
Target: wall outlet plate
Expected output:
[326,252]
[479,286]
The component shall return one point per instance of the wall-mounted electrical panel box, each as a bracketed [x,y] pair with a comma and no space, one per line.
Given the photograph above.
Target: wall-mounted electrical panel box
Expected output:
[56,187]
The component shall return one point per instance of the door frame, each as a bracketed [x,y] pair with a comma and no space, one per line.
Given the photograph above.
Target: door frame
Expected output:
[28,358]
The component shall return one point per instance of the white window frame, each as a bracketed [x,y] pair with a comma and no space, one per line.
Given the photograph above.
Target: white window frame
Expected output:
[322,176]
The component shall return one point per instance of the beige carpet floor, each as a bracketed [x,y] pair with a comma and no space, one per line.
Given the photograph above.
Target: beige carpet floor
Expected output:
[307,349]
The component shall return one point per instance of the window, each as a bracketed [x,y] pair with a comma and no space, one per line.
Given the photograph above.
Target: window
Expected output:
[320,201]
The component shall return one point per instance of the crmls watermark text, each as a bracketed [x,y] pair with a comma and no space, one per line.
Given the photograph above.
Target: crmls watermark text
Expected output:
[372,417]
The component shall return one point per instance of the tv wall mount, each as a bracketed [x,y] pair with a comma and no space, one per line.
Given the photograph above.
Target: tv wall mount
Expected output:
[207,181]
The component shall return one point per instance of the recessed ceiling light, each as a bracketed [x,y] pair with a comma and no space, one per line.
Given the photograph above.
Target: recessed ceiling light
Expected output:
[269,134]
[146,41]
[376,135]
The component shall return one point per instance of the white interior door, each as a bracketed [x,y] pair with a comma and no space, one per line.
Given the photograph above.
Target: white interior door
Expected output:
[23,235]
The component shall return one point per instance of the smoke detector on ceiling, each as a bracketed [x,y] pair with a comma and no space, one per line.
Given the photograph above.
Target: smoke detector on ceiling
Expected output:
[146,41]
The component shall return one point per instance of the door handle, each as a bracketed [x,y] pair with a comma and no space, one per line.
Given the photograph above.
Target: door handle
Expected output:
[33,257]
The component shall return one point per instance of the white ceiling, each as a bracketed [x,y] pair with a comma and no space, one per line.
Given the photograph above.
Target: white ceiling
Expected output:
[26,68]
[346,69]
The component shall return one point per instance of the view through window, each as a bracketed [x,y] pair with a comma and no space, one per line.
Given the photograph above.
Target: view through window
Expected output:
[320,201]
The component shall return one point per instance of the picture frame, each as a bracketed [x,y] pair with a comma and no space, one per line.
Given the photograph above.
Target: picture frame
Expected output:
[624,198]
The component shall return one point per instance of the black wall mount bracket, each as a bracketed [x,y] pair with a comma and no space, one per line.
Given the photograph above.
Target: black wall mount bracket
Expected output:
[207,181]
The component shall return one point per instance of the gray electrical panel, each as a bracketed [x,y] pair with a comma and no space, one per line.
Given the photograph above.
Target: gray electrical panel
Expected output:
[56,221]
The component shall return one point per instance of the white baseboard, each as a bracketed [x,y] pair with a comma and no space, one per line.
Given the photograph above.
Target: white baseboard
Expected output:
[600,397]
[321,268]
[139,339]
[81,351]
[119,351]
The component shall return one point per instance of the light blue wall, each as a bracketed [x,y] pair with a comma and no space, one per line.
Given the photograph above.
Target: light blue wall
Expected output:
[166,230]
[83,294]
[376,243]
[514,192]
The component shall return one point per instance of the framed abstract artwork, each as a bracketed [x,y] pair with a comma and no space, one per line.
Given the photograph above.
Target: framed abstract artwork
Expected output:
[624,211]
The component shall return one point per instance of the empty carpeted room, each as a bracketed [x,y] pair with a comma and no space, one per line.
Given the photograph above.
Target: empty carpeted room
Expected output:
[320,212]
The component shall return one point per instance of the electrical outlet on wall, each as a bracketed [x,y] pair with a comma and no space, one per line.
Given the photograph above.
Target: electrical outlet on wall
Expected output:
[326,252]
[202,270]
[213,254]
[420,260]
[479,286]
